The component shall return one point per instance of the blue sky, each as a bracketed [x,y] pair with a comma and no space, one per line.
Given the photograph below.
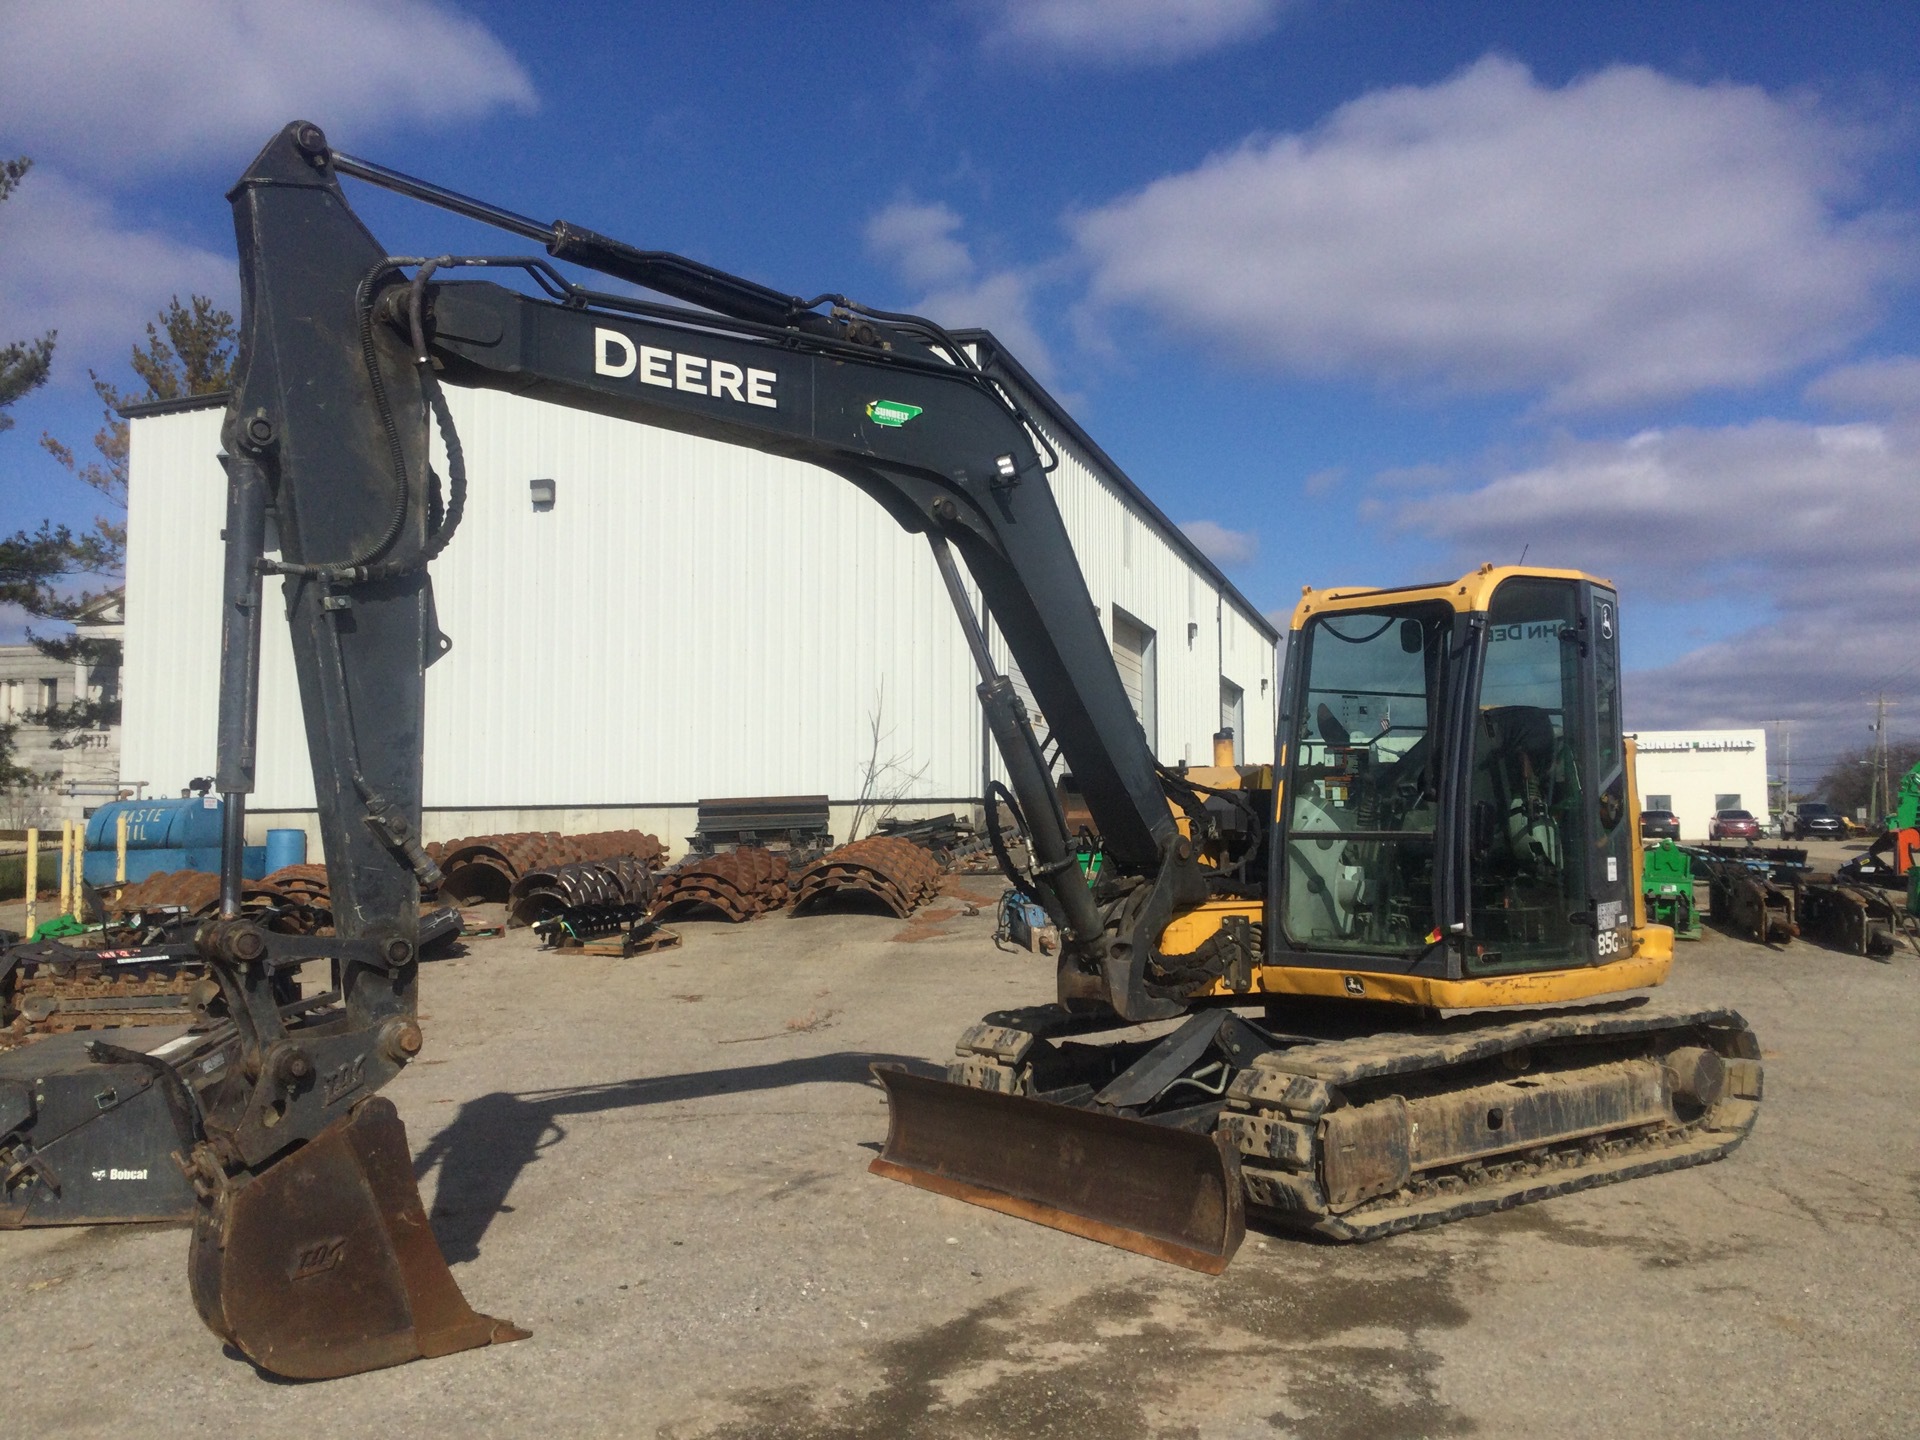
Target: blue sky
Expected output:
[1363,291]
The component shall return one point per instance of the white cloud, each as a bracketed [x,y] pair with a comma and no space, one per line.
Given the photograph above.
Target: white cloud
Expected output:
[1001,302]
[1888,386]
[120,85]
[1625,237]
[1809,528]
[1128,32]
[918,241]
[75,266]
[1221,545]
[1817,667]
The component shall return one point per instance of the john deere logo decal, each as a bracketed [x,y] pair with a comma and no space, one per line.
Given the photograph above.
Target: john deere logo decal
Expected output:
[890,413]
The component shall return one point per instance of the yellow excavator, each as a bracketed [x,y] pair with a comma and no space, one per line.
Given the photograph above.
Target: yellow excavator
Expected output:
[1389,981]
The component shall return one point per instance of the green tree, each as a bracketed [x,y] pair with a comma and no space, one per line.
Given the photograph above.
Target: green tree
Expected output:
[29,563]
[189,351]
[23,363]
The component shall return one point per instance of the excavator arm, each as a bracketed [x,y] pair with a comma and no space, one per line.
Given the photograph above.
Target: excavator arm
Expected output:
[311,1252]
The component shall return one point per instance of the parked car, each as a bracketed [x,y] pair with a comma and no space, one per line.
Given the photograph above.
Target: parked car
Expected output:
[1659,825]
[1809,818]
[1733,825]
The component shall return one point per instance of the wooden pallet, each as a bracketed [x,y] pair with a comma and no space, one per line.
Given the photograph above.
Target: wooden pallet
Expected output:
[630,942]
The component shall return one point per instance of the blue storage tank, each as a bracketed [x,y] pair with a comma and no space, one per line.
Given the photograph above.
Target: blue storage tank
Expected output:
[179,834]
[284,848]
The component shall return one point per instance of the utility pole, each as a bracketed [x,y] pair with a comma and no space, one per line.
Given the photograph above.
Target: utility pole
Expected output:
[1786,768]
[1785,727]
[1886,786]
[1880,793]
[1786,774]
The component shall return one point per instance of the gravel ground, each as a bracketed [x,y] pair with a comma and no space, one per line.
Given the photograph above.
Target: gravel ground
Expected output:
[659,1166]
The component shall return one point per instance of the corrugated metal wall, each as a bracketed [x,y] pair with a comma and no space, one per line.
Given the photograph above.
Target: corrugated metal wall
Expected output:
[690,619]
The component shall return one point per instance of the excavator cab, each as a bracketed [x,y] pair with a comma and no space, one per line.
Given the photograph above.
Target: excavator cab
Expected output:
[1453,830]
[1456,802]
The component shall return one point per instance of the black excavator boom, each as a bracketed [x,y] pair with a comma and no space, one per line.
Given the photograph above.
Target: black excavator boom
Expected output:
[310,1252]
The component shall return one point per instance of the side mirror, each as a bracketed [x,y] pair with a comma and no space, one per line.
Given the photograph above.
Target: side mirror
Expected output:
[1413,637]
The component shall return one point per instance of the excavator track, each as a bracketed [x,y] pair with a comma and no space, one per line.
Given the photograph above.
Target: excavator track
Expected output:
[1361,1139]
[1357,1139]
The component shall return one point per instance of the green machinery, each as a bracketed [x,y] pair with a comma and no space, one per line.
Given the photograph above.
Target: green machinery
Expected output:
[1666,879]
[1900,833]
[1906,805]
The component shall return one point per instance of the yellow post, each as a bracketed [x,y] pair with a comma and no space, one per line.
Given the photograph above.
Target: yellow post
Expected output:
[120,846]
[33,879]
[66,867]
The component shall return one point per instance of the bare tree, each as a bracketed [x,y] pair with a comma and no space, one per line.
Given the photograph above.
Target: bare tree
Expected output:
[884,783]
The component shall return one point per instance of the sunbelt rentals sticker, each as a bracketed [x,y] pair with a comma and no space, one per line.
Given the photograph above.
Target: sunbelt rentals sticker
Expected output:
[891,413]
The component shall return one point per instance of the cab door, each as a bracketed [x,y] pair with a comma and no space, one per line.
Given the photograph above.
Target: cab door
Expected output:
[1611,837]
[1548,871]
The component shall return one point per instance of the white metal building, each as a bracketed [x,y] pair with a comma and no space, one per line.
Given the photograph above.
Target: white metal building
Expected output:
[1696,772]
[686,620]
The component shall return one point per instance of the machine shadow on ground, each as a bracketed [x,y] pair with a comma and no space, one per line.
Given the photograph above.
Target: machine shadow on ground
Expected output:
[481,1153]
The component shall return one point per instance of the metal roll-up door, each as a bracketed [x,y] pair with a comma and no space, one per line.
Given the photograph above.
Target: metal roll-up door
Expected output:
[1133,654]
[1233,715]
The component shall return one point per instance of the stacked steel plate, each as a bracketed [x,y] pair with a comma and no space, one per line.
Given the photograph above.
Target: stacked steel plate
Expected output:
[542,894]
[738,884]
[895,872]
[484,868]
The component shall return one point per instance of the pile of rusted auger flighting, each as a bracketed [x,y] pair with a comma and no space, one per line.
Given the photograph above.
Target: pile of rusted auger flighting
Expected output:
[292,900]
[483,868]
[589,882]
[621,882]
[734,884]
[897,873]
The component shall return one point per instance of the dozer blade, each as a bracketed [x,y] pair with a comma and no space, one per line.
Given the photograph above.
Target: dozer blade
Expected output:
[324,1265]
[1170,1194]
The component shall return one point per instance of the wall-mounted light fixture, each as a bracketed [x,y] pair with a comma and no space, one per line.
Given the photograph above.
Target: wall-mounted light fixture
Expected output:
[1193,631]
[542,491]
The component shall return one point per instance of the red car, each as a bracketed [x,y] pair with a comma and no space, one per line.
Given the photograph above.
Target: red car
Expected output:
[1733,825]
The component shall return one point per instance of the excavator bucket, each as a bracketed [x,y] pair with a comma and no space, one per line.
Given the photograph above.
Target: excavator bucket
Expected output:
[323,1264]
[1167,1193]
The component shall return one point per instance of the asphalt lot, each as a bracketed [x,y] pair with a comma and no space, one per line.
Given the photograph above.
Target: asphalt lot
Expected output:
[659,1166]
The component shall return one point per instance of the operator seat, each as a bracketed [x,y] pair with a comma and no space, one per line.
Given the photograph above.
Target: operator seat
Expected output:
[1519,773]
